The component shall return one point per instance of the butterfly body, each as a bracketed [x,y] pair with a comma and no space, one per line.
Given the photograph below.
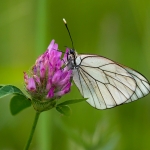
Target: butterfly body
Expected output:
[104,82]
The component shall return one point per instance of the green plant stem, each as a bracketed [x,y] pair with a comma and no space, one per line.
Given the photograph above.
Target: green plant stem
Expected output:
[32,130]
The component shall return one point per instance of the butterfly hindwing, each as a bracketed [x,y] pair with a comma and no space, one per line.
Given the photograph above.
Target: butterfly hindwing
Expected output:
[142,85]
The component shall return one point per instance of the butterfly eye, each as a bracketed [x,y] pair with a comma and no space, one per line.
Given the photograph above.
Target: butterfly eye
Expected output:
[72,51]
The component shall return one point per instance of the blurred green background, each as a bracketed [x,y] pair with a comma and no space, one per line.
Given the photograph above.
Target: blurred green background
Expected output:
[117,29]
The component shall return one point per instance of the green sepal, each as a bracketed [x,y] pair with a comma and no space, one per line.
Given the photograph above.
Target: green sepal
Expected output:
[64,109]
[9,89]
[73,101]
[18,103]
[41,106]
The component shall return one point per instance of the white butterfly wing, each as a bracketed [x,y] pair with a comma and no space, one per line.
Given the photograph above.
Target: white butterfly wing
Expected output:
[107,84]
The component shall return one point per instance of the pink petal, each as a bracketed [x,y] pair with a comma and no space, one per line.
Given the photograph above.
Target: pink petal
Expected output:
[55,47]
[56,77]
[65,58]
[37,79]
[49,84]
[51,45]
[31,84]
[50,93]
[65,90]
[42,71]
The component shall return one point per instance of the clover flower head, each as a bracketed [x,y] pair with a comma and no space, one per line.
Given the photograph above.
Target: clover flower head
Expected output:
[49,78]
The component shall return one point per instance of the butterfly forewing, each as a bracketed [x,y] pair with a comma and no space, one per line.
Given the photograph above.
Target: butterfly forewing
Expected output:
[107,84]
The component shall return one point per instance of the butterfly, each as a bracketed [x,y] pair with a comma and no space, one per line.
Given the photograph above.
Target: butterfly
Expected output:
[104,82]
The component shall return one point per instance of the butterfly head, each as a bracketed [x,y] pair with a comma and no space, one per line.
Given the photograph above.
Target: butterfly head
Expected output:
[72,54]
[72,51]
[71,57]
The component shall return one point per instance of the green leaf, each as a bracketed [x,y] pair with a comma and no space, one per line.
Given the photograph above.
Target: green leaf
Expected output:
[18,103]
[65,110]
[73,101]
[9,89]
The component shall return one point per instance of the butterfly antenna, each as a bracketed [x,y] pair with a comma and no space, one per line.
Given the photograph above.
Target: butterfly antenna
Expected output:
[65,22]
